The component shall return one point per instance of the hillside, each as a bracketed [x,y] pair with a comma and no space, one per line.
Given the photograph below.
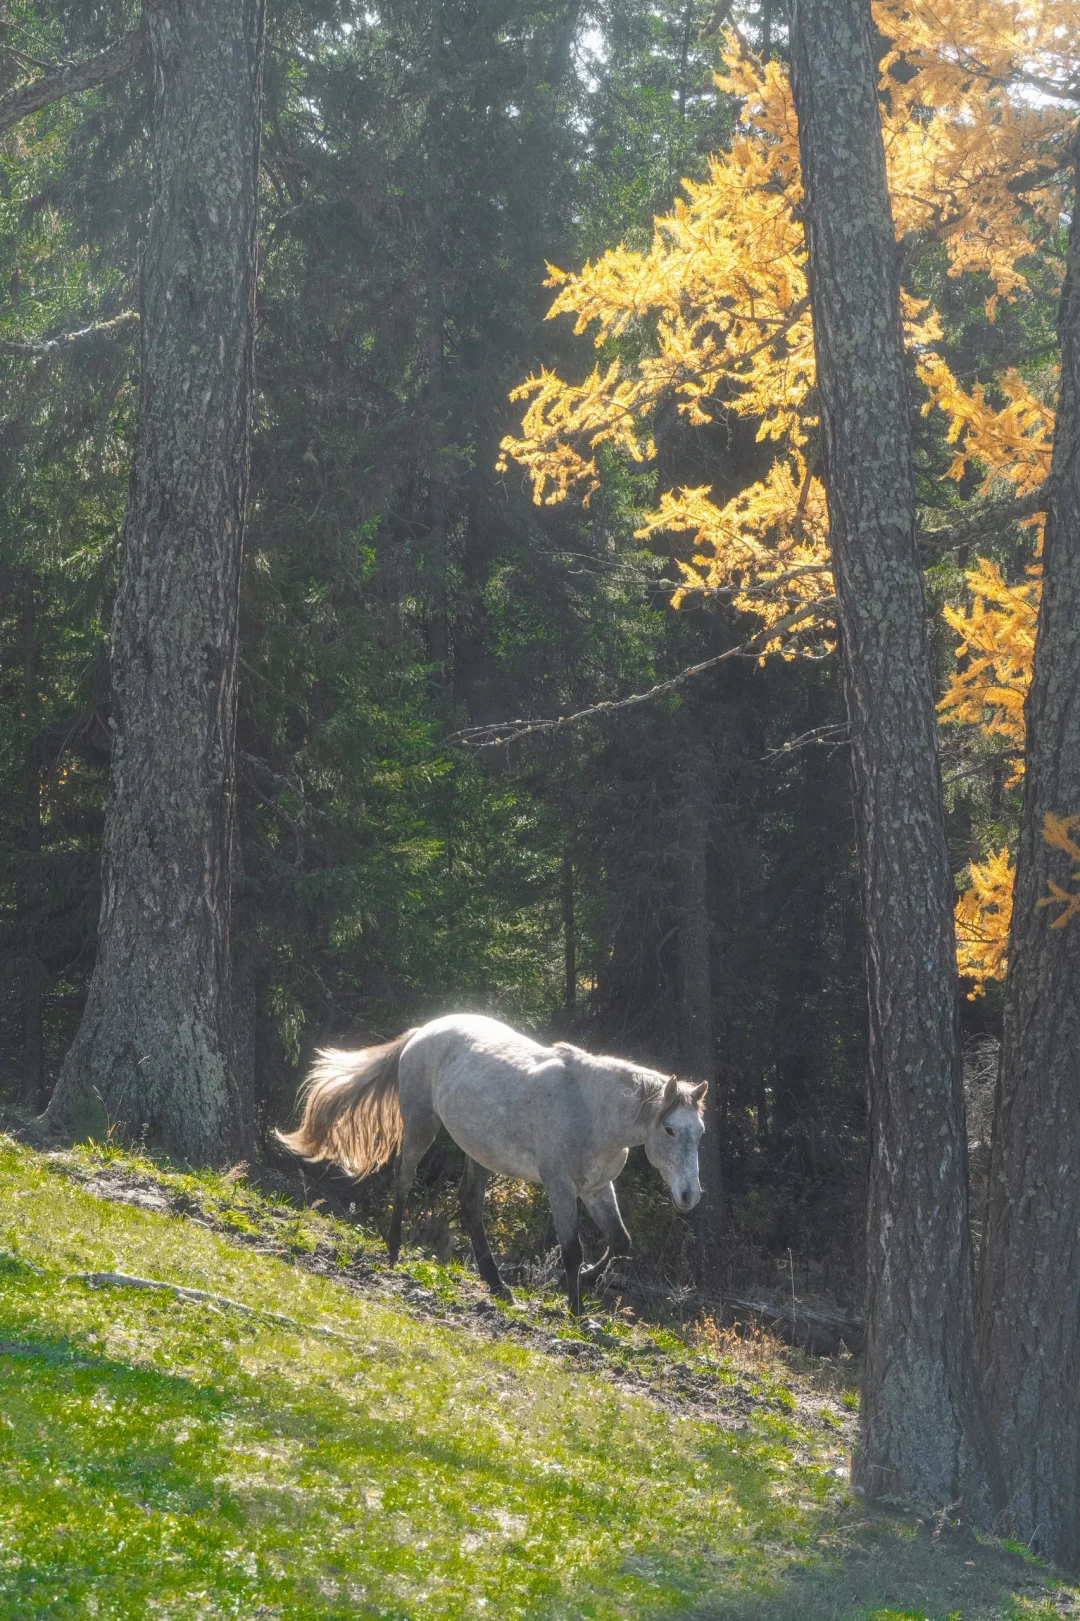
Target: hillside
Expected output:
[302,1434]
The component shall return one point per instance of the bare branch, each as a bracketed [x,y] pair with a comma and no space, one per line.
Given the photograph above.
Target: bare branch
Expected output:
[128,1280]
[512,731]
[986,520]
[66,81]
[65,340]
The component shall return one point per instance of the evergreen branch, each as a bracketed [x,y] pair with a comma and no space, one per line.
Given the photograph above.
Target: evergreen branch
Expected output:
[65,340]
[989,519]
[66,81]
[512,731]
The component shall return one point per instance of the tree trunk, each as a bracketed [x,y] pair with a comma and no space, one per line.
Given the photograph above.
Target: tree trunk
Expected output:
[437,554]
[569,934]
[153,1053]
[697,1042]
[920,1433]
[1029,1295]
[33,883]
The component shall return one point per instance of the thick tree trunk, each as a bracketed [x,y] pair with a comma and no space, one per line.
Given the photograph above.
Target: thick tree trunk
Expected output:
[153,1052]
[920,1434]
[1029,1298]
[697,1041]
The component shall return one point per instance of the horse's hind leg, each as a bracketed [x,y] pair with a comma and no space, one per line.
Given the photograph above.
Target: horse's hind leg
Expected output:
[420,1132]
[471,1198]
[562,1197]
[603,1207]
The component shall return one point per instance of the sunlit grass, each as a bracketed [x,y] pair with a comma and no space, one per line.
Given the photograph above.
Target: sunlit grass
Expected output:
[166,1458]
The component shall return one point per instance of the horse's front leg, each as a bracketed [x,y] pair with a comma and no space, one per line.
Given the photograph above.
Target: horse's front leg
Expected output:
[603,1207]
[562,1196]
[471,1199]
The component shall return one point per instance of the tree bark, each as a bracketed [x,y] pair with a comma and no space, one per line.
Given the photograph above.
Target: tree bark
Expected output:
[153,1053]
[1029,1285]
[697,1038]
[33,884]
[920,1424]
[569,934]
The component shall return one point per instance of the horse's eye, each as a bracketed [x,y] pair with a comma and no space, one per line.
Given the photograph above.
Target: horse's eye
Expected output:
[670,1130]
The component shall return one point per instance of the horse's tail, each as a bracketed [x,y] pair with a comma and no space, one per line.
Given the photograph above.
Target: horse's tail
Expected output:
[352,1114]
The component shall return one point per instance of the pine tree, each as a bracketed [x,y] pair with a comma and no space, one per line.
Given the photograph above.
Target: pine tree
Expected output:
[153,1053]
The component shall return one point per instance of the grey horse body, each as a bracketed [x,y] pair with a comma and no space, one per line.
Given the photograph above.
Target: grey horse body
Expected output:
[554,1115]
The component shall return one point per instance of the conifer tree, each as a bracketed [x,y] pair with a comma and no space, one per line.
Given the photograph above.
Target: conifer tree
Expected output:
[153,1052]
[1029,1330]
[920,1435]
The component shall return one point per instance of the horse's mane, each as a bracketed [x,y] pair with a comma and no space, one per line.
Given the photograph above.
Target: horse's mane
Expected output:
[648,1084]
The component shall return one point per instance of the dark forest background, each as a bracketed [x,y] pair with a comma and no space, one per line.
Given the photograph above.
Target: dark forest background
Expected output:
[419,167]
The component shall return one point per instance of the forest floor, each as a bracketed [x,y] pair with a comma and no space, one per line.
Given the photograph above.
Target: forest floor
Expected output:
[290,1430]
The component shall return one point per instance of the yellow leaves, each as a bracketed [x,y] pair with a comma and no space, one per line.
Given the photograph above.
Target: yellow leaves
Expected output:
[766,551]
[990,145]
[1014,442]
[602,410]
[983,916]
[998,643]
[719,314]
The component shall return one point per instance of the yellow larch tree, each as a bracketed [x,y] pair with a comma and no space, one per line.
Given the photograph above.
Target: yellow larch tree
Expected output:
[976,144]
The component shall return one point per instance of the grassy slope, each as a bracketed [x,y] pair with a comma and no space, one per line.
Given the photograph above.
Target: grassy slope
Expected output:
[167,1458]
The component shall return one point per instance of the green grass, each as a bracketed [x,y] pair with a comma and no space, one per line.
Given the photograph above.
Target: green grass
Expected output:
[165,1458]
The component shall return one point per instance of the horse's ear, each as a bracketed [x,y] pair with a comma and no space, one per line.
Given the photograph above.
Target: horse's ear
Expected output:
[697,1093]
[671,1089]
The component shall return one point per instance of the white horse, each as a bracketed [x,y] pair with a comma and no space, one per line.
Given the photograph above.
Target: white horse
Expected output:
[554,1115]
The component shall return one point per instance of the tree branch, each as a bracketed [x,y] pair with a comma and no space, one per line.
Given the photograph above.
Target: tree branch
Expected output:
[989,519]
[511,731]
[65,340]
[128,1280]
[49,87]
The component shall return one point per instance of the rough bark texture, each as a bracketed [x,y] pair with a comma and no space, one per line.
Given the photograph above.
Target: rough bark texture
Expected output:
[1029,1305]
[33,884]
[919,1416]
[697,1041]
[153,1052]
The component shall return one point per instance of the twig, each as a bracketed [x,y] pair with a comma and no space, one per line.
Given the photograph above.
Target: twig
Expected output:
[511,731]
[127,1280]
[833,737]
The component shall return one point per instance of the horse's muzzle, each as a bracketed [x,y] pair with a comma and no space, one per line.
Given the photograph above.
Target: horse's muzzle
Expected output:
[685,1198]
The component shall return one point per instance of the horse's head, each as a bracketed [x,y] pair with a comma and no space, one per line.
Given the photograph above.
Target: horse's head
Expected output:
[673,1131]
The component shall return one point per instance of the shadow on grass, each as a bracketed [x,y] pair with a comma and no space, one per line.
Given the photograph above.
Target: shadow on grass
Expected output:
[896,1569]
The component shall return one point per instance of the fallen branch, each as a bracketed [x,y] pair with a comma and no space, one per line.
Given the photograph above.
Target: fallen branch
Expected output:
[67,81]
[817,1328]
[127,1280]
[512,731]
[65,340]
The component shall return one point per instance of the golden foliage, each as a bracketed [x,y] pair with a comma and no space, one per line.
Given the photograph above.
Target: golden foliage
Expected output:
[983,916]
[717,315]
[998,642]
